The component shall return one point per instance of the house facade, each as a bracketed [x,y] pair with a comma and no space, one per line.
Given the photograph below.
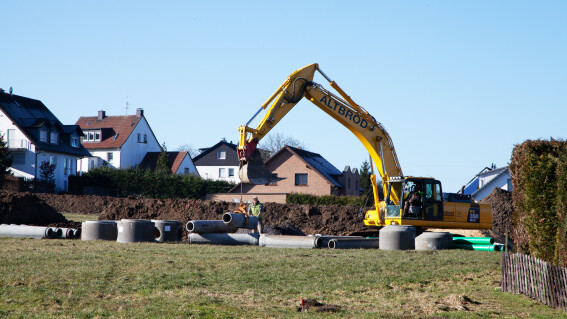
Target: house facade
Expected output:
[35,137]
[219,162]
[180,162]
[486,180]
[303,172]
[116,141]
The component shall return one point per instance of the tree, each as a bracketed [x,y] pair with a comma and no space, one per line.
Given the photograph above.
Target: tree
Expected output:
[47,171]
[163,160]
[189,149]
[5,158]
[365,183]
[275,141]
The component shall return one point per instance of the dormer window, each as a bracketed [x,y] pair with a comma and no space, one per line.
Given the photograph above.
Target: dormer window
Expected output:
[74,141]
[43,136]
[53,138]
[91,136]
[97,136]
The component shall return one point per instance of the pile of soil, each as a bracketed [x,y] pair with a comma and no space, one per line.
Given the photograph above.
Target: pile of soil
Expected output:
[502,210]
[28,209]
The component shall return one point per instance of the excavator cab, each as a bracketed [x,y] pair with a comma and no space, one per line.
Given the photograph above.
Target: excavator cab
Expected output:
[422,199]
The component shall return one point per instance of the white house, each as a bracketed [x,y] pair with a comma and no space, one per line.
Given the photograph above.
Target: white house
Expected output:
[180,162]
[116,141]
[486,180]
[35,136]
[219,162]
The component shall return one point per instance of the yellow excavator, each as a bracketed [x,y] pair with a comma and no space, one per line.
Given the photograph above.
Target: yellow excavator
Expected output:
[416,201]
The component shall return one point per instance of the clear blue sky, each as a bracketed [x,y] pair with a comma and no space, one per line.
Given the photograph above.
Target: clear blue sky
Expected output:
[456,83]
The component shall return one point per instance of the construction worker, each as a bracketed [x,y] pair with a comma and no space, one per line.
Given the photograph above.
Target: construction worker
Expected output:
[413,203]
[255,209]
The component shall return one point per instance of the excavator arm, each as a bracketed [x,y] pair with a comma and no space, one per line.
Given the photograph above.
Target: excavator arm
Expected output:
[342,108]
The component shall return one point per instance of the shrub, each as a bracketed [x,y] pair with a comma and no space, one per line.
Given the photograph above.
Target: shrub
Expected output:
[150,183]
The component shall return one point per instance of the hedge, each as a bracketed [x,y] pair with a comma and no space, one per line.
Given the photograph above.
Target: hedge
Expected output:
[148,183]
[539,178]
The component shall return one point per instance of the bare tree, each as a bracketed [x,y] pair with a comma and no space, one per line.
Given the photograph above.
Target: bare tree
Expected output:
[275,141]
[189,149]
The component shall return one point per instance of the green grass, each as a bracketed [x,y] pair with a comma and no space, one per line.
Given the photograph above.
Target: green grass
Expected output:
[79,217]
[87,279]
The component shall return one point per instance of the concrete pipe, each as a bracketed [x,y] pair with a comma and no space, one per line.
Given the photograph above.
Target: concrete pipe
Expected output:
[76,233]
[434,241]
[223,239]
[99,230]
[26,231]
[209,226]
[354,243]
[397,237]
[135,230]
[57,232]
[68,233]
[168,230]
[323,240]
[283,241]
[239,220]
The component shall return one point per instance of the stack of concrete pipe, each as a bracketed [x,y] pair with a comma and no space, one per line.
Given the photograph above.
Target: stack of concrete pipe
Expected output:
[133,230]
[222,232]
[37,232]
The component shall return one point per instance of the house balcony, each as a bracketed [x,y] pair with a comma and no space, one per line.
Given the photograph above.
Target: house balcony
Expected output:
[16,145]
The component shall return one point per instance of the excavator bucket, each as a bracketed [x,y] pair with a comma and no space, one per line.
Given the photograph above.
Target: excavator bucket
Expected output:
[255,171]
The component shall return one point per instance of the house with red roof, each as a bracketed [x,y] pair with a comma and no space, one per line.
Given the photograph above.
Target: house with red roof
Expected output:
[35,136]
[180,162]
[300,171]
[116,141]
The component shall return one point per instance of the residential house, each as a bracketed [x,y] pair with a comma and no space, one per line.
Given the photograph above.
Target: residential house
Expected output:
[35,136]
[302,172]
[486,180]
[219,162]
[180,162]
[116,141]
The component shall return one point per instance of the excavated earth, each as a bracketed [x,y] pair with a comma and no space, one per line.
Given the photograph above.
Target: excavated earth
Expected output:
[279,218]
[42,209]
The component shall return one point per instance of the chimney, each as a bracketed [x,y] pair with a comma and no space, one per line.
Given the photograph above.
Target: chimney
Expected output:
[139,112]
[101,115]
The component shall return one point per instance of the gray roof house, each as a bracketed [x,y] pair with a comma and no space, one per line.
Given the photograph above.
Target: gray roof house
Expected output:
[35,136]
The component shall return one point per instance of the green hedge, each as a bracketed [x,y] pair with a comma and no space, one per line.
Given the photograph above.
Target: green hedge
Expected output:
[149,183]
[539,177]
[297,198]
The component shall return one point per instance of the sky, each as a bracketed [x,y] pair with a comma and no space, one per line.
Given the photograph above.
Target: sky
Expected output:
[457,84]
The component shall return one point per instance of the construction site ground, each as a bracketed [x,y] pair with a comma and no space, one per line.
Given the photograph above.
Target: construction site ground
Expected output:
[289,219]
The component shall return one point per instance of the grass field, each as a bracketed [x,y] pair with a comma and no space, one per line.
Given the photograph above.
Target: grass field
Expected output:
[79,217]
[87,279]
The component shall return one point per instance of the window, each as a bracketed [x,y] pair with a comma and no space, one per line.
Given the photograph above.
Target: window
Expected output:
[74,141]
[301,179]
[92,164]
[348,182]
[91,136]
[43,136]
[145,138]
[97,136]
[67,167]
[139,138]
[53,160]
[221,154]
[222,172]
[273,183]
[231,172]
[186,171]
[109,157]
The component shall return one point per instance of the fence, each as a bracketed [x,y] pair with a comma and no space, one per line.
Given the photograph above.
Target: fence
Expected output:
[535,278]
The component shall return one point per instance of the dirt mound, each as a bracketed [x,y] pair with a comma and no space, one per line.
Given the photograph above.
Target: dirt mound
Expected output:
[27,208]
[76,204]
[502,210]
[304,218]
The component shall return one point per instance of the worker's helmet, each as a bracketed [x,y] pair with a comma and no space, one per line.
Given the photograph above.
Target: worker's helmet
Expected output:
[255,199]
